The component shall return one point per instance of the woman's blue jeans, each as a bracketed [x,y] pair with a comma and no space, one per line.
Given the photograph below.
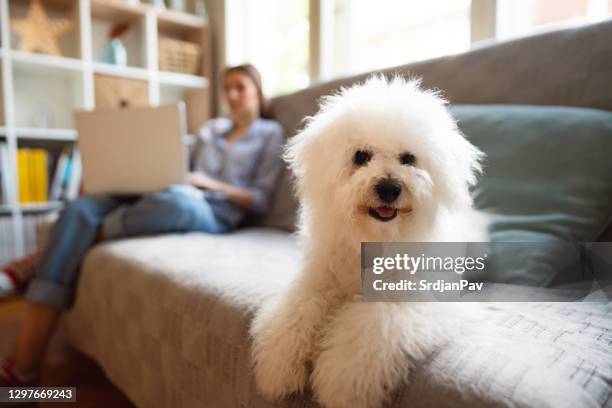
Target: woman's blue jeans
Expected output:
[177,209]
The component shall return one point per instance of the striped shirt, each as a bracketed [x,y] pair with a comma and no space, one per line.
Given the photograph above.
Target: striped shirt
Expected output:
[253,162]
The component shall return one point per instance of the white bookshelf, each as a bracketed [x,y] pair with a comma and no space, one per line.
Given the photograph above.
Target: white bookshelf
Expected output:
[67,83]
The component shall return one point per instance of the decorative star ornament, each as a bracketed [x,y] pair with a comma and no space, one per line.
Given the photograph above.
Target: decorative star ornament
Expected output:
[38,33]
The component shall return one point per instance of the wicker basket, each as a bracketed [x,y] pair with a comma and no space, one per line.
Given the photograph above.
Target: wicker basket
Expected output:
[178,56]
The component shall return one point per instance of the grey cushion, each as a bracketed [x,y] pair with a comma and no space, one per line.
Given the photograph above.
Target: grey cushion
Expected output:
[283,210]
[547,181]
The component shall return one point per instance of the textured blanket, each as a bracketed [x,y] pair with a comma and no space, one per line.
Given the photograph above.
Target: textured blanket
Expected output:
[167,318]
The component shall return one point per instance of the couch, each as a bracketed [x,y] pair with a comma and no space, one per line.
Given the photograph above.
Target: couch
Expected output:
[167,317]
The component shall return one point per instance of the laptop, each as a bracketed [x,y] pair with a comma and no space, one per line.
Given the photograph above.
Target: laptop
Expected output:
[132,150]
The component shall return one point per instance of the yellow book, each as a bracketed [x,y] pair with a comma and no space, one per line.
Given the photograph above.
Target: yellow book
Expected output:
[42,176]
[33,173]
[38,177]
[24,175]
[32,176]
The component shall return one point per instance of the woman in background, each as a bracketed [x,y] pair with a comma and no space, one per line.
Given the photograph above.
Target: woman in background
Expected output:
[236,162]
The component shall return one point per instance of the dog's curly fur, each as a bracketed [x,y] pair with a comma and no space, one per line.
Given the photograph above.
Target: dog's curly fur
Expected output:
[354,353]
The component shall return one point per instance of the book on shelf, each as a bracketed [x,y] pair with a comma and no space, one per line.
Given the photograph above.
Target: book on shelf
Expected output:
[39,182]
[74,181]
[4,174]
[33,174]
[67,177]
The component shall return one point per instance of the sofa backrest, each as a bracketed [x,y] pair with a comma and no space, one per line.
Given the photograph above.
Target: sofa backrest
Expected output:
[571,67]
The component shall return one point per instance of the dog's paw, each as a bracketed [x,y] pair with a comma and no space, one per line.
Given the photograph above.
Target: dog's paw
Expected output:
[367,352]
[278,367]
[279,352]
[352,384]
[284,333]
[278,375]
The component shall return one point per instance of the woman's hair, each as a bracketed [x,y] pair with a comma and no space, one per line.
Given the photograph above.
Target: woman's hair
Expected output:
[265,108]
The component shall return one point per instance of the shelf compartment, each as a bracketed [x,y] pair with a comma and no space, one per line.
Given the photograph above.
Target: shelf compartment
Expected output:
[197,36]
[105,15]
[56,9]
[113,92]
[47,98]
[32,178]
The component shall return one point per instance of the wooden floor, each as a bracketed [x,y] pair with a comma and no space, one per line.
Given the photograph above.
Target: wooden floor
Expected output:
[63,366]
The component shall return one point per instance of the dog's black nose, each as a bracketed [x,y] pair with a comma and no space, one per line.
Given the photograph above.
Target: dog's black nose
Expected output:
[388,190]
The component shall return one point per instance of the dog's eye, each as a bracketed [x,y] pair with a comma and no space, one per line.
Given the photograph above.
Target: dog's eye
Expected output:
[408,159]
[361,157]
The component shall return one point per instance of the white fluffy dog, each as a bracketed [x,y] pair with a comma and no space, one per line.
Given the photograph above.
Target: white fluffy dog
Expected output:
[381,161]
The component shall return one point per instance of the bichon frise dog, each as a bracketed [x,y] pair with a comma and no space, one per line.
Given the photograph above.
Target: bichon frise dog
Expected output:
[381,161]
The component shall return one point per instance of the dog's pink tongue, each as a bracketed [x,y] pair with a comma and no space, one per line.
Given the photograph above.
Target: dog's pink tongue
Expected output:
[385,212]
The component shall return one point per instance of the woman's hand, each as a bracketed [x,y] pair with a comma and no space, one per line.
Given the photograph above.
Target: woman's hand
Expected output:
[201,180]
[238,196]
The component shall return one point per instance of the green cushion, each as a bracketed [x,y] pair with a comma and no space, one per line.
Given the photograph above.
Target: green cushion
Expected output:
[547,181]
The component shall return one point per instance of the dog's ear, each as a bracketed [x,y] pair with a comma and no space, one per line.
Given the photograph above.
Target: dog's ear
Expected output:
[465,167]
